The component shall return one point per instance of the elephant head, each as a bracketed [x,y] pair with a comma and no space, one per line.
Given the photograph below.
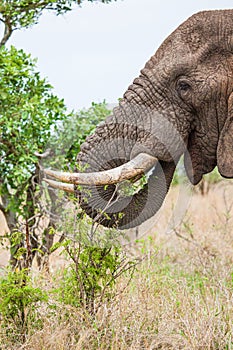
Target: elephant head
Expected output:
[181,103]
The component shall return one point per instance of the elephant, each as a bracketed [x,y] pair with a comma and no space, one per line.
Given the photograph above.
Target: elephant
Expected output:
[180,105]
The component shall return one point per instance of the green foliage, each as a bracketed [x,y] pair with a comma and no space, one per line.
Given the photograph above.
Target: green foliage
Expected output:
[29,113]
[130,187]
[97,262]
[209,179]
[73,132]
[214,177]
[91,278]
[179,176]
[176,178]
[25,13]
[84,124]
[18,302]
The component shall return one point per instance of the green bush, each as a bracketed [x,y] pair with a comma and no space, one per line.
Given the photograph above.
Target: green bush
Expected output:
[97,261]
[18,303]
[91,278]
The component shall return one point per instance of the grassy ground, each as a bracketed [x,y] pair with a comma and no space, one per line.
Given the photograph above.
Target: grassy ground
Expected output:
[180,297]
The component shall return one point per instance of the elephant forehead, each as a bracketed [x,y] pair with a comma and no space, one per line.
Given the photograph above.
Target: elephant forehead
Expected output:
[206,27]
[194,40]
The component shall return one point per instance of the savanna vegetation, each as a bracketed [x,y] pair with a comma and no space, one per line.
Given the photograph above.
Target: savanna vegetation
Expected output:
[70,284]
[176,294]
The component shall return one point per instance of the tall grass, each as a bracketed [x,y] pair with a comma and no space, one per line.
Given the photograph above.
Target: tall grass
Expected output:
[180,297]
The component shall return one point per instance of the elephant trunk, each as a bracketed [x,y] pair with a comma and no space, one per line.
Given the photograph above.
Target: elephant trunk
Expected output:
[122,137]
[105,205]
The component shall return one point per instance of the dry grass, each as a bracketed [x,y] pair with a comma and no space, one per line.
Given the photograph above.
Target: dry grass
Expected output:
[181,296]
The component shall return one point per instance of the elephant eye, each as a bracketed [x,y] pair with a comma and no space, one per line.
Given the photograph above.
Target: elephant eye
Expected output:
[182,87]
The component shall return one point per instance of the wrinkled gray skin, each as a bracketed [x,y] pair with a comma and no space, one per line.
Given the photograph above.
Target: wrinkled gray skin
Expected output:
[182,103]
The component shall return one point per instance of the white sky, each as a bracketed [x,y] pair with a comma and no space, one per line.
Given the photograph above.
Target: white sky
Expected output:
[94,52]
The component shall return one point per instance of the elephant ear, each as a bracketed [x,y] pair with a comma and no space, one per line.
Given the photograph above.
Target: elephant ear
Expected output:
[225,144]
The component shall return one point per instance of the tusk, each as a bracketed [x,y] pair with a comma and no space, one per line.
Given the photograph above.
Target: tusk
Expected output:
[60,185]
[139,165]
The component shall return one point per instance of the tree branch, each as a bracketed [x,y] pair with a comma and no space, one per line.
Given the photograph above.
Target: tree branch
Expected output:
[7,32]
[39,5]
[43,155]
[2,208]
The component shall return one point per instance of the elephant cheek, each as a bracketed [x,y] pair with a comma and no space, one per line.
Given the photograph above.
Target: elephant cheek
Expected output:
[193,160]
[197,160]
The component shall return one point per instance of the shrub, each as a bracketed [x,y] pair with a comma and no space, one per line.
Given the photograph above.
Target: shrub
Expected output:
[18,303]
